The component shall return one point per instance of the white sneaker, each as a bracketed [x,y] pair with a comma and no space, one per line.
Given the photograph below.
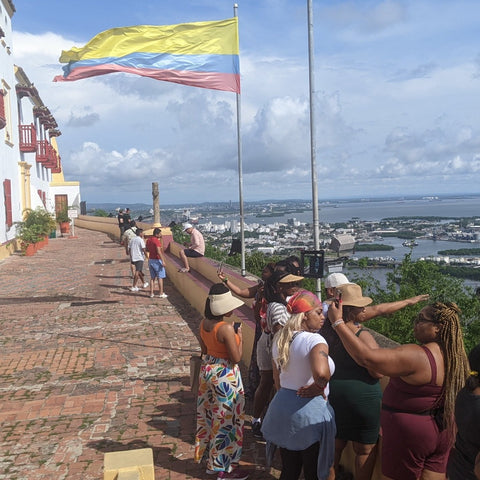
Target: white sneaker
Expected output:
[145,285]
[152,295]
[163,295]
[134,289]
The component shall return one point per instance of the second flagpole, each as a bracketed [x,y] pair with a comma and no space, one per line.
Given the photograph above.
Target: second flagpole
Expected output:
[240,174]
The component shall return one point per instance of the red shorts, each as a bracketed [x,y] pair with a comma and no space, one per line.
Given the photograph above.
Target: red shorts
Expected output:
[412,443]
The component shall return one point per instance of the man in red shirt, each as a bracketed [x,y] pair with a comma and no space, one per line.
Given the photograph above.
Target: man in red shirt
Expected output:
[156,262]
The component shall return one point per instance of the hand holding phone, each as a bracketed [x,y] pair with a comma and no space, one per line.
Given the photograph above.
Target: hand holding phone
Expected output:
[338,299]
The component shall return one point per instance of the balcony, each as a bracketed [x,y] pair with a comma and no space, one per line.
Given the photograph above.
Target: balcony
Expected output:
[52,157]
[24,90]
[28,138]
[45,153]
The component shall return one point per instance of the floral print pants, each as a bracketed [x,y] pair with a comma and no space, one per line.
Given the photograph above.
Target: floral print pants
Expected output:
[220,414]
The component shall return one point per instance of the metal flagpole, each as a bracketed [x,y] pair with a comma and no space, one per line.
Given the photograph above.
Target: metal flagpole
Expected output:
[240,174]
[313,146]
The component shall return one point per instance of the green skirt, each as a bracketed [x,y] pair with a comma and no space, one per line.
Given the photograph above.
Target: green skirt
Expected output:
[357,408]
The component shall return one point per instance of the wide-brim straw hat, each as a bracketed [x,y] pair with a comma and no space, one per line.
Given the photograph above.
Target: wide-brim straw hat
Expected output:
[290,278]
[223,303]
[352,295]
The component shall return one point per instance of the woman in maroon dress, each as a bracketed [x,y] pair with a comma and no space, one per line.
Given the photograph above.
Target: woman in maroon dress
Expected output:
[418,403]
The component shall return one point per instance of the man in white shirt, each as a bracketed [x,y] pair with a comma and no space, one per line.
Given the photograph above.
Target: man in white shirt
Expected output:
[127,236]
[136,249]
[196,247]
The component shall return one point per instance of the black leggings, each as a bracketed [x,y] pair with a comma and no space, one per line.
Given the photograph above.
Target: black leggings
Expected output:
[294,460]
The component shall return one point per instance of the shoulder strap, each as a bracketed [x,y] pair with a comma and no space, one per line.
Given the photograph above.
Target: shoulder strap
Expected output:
[357,334]
[433,365]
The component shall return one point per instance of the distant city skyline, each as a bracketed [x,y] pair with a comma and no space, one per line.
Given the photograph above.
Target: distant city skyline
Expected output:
[397,101]
[234,203]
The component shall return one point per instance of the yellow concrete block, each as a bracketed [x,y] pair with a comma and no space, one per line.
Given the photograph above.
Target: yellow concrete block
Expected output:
[129,465]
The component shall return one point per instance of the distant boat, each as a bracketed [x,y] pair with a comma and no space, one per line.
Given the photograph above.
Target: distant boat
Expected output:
[410,243]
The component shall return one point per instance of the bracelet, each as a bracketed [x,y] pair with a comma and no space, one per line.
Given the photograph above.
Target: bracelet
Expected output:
[225,280]
[337,323]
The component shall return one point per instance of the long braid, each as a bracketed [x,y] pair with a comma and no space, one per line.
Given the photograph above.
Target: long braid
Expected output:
[450,340]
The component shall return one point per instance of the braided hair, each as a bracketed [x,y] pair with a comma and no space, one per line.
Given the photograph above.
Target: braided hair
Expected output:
[450,339]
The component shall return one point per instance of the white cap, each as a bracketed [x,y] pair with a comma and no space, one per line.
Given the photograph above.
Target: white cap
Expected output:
[335,279]
[187,225]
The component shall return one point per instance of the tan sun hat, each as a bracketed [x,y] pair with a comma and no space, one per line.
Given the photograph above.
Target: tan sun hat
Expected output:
[290,278]
[352,295]
[223,303]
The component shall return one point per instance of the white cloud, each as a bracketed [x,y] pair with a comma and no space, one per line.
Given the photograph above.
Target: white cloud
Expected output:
[396,107]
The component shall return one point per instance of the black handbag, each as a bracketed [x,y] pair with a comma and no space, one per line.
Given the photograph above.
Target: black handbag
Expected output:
[195,365]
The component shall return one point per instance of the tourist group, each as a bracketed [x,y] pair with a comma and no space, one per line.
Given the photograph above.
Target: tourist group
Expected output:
[315,384]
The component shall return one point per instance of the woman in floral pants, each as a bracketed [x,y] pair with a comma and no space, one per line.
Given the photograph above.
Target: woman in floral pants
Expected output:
[220,405]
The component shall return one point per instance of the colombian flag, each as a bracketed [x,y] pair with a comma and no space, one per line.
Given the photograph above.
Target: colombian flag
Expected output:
[200,54]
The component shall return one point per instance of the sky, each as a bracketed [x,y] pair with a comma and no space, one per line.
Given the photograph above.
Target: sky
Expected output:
[396,101]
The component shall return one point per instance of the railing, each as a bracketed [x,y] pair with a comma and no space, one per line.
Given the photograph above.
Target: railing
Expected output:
[46,153]
[52,162]
[42,151]
[28,138]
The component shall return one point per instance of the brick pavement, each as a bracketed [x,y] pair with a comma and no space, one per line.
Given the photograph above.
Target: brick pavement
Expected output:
[88,367]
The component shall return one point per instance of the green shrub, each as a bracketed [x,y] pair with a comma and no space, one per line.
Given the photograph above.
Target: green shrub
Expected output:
[40,218]
[37,225]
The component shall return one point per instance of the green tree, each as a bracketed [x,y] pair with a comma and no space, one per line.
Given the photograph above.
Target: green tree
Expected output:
[415,278]
[363,262]
[99,212]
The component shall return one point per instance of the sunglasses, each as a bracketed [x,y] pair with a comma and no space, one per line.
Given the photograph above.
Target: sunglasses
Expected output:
[421,319]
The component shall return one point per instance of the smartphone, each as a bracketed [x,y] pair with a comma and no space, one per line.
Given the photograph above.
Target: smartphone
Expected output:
[338,298]
[236,326]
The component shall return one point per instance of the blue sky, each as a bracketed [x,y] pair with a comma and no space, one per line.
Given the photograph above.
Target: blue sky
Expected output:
[397,101]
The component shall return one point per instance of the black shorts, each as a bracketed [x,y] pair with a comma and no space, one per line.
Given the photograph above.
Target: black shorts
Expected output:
[138,265]
[192,253]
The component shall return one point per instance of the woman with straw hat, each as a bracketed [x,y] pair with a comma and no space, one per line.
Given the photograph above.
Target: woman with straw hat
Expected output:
[355,392]
[220,404]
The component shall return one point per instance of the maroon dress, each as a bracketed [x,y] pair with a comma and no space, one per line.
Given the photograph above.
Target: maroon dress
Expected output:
[412,440]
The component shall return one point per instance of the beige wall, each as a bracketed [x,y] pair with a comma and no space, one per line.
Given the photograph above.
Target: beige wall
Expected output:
[195,289]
